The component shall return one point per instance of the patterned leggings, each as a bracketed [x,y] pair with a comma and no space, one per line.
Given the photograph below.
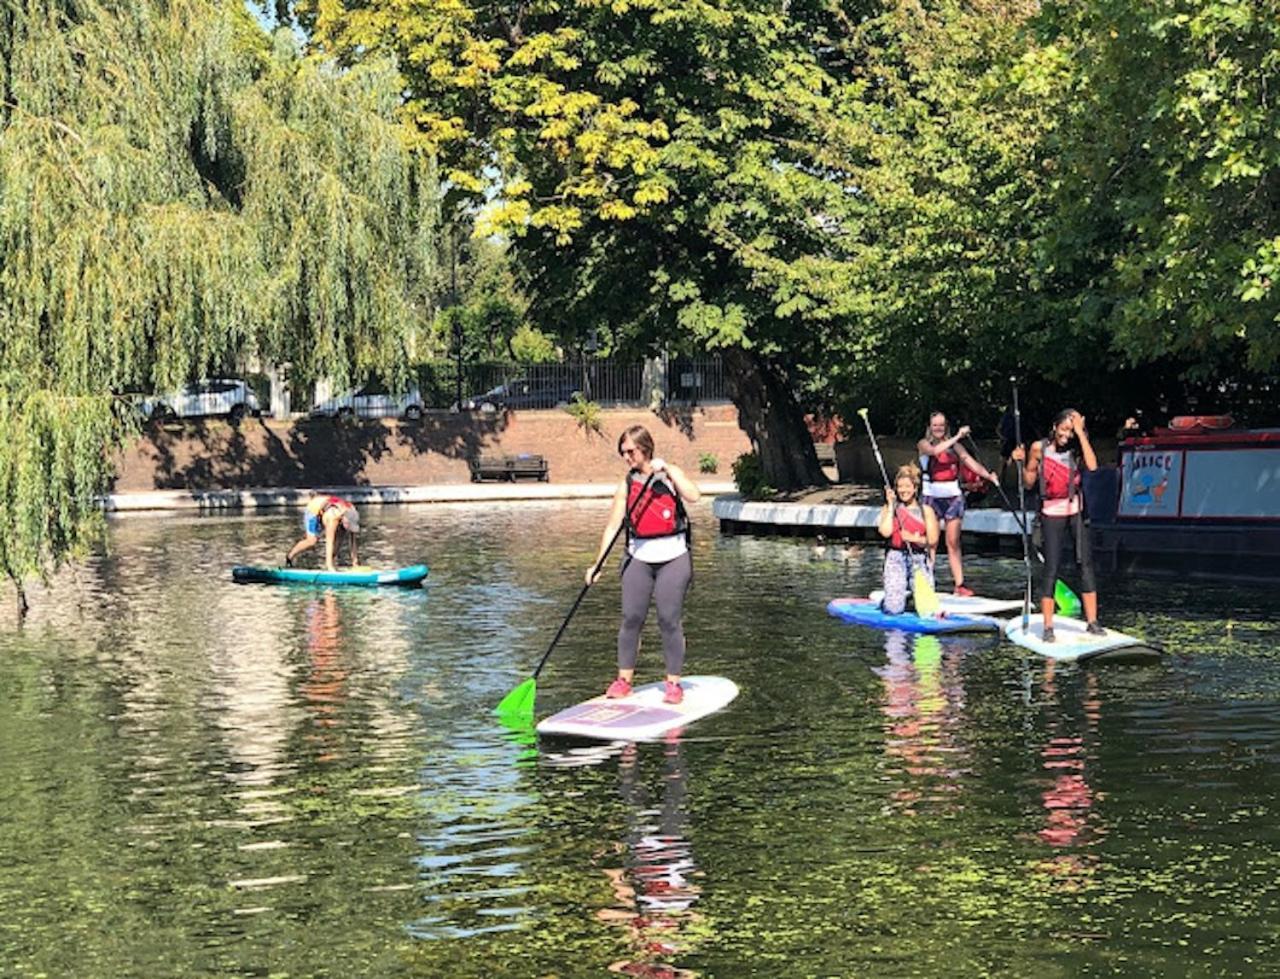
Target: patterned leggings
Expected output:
[897,578]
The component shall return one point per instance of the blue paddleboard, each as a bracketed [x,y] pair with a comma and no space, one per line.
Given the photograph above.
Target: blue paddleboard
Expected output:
[412,575]
[864,611]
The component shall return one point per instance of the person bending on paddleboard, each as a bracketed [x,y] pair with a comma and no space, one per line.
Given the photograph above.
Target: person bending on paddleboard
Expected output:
[658,565]
[327,514]
[941,456]
[1054,465]
[904,521]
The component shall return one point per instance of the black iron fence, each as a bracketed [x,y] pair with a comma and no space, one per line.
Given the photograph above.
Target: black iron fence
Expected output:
[607,381]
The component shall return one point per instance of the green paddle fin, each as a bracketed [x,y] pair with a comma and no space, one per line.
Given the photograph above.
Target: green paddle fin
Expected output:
[519,702]
[1068,602]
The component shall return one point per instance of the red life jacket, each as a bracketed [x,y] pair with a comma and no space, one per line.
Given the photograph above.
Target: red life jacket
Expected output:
[908,521]
[1058,481]
[657,512]
[970,481]
[944,467]
[320,504]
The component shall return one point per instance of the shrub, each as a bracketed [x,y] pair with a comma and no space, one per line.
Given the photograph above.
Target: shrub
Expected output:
[749,476]
[587,413]
[708,463]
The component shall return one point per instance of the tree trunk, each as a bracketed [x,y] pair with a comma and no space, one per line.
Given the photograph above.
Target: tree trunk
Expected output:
[772,418]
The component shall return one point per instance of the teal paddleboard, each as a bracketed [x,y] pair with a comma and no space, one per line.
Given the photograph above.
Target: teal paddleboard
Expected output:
[412,575]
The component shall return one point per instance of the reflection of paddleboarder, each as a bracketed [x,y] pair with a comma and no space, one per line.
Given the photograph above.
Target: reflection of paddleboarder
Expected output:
[654,891]
[1068,799]
[324,688]
[923,699]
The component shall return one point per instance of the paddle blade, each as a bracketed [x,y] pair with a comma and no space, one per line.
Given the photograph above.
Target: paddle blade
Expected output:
[519,702]
[1068,602]
[927,602]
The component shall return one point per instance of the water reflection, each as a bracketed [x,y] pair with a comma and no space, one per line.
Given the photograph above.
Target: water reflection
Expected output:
[653,888]
[1070,826]
[323,689]
[311,782]
[923,703]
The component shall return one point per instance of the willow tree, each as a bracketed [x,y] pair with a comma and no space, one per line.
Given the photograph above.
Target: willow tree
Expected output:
[179,189]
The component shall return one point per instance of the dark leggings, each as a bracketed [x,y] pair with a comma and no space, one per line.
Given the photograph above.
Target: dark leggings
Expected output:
[666,584]
[1057,531]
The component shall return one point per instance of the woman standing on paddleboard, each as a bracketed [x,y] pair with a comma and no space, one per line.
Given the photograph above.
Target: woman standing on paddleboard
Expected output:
[1055,466]
[941,456]
[912,530]
[658,566]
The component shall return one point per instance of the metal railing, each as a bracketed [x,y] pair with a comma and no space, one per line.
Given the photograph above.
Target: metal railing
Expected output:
[607,381]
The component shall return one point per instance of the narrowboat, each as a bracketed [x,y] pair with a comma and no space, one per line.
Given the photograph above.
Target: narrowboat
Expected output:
[1198,497]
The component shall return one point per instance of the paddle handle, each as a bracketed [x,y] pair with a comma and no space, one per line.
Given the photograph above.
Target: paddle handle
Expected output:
[630,518]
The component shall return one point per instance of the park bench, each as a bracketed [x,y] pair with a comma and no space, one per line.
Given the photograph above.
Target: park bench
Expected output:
[510,468]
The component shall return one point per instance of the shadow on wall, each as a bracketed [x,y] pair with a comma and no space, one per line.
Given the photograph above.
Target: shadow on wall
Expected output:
[212,454]
[679,417]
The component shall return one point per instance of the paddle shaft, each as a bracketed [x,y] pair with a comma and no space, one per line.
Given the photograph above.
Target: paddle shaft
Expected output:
[1020,517]
[1022,508]
[630,518]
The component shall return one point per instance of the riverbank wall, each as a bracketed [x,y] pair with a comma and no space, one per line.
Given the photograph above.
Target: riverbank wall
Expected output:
[213,455]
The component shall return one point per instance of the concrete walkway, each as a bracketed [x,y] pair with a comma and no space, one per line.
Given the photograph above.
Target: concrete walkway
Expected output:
[855,520]
[250,499]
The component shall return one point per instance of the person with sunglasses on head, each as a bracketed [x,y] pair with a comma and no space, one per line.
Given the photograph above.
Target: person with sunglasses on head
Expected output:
[327,514]
[658,567]
[1055,465]
[941,458]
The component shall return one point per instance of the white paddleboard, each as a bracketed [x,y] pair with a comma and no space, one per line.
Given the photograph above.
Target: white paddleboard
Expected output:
[641,715]
[1073,642]
[968,604]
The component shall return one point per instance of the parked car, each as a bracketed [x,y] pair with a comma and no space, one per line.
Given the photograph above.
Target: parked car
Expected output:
[222,396]
[522,394]
[371,400]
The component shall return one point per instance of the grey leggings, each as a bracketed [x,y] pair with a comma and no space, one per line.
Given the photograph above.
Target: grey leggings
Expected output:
[666,584]
[897,578]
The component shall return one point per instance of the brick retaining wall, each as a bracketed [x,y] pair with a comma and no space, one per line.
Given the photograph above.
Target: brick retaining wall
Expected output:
[208,455]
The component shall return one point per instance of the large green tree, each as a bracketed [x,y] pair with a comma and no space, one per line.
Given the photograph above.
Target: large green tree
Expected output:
[178,189]
[625,140]
[1165,225]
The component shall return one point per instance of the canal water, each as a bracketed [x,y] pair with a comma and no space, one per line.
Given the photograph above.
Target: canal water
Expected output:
[199,778]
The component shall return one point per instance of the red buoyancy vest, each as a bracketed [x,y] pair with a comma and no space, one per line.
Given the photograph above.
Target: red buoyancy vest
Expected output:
[655,512]
[319,504]
[970,481]
[944,467]
[1058,480]
[908,521]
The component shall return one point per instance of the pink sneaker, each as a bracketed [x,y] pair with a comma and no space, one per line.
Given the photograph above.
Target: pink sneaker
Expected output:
[674,693]
[619,688]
